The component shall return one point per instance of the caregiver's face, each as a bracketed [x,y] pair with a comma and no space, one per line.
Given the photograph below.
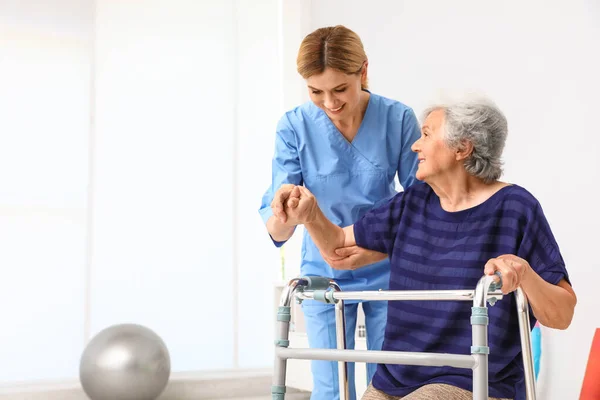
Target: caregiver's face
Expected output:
[336,93]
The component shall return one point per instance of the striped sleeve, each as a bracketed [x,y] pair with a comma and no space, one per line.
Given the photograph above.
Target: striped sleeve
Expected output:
[377,229]
[540,249]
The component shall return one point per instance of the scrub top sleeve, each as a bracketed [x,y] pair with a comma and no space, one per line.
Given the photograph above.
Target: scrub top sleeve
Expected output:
[408,163]
[285,167]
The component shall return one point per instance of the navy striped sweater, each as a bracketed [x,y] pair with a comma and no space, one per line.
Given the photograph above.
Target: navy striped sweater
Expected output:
[432,249]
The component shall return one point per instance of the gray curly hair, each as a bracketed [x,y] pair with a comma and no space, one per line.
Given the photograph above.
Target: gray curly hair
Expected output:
[483,124]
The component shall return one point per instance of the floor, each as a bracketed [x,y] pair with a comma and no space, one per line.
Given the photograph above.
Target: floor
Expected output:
[235,385]
[291,396]
[81,396]
[295,396]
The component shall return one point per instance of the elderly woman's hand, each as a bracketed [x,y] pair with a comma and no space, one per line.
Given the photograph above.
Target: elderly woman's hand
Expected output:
[512,269]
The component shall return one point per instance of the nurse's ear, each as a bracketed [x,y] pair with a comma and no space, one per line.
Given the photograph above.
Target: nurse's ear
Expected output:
[363,74]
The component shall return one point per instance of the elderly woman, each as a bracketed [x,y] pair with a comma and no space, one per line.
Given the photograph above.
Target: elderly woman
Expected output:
[443,233]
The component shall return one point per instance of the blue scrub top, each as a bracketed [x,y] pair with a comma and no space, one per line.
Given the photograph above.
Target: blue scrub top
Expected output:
[347,178]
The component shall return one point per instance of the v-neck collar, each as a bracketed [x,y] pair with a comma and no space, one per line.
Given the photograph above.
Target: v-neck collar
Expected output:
[360,127]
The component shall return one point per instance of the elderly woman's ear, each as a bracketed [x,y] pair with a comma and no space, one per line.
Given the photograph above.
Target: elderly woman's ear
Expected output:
[464,151]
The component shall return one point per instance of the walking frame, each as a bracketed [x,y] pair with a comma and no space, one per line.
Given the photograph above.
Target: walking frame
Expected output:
[328,291]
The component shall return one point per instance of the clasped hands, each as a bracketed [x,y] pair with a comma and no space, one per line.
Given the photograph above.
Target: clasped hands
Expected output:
[295,205]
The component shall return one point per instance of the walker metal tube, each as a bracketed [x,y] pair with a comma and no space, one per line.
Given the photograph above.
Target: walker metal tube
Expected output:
[480,349]
[461,295]
[282,338]
[288,291]
[480,372]
[381,357]
[525,331]
[340,334]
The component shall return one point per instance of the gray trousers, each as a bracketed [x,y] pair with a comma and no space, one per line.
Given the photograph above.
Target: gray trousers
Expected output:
[436,391]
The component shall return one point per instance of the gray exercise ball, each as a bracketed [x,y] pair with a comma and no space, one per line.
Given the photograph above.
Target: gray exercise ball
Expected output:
[125,362]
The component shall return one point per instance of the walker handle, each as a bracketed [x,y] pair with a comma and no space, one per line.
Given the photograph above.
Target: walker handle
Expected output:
[496,285]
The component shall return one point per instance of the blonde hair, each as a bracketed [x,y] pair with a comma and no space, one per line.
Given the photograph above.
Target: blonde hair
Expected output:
[335,47]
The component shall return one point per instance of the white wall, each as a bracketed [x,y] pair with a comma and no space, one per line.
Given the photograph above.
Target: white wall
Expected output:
[539,62]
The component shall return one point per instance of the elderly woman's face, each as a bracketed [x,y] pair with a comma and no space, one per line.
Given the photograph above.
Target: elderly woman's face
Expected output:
[435,156]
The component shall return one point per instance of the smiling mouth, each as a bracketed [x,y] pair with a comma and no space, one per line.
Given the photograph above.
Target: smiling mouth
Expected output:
[335,110]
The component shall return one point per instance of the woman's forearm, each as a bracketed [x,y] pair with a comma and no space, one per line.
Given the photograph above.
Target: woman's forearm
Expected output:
[552,305]
[325,234]
[279,231]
